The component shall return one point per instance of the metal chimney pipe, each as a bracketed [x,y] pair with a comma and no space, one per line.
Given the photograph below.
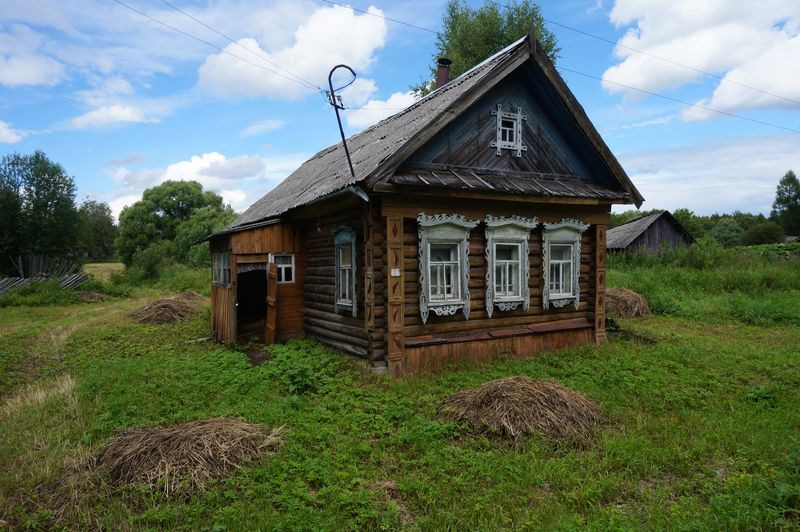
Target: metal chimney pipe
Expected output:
[443,71]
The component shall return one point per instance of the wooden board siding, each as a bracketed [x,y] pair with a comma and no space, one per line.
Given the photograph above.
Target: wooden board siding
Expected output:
[321,318]
[222,317]
[255,245]
[379,275]
[424,358]
[660,232]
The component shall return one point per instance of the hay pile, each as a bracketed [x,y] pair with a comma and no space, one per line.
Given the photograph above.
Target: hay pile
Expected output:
[186,454]
[519,406]
[624,303]
[168,309]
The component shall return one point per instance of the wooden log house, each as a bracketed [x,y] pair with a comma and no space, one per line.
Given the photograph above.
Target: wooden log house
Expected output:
[474,228]
[649,233]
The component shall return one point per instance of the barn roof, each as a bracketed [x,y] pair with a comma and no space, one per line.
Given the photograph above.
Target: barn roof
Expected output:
[622,236]
[377,151]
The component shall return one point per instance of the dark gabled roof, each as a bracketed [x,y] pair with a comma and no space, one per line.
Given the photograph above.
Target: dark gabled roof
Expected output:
[623,235]
[379,149]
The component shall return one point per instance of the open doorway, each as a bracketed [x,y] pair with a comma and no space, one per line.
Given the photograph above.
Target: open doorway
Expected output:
[251,297]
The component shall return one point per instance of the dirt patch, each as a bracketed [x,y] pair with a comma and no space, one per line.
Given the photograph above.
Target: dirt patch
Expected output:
[615,330]
[395,496]
[257,356]
[166,310]
[624,303]
[91,296]
[185,455]
[519,406]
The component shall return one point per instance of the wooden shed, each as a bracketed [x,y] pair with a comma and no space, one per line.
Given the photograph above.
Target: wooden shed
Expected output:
[649,233]
[474,228]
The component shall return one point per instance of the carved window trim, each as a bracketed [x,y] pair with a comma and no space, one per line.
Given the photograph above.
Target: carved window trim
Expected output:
[344,237]
[451,229]
[568,231]
[508,230]
[501,141]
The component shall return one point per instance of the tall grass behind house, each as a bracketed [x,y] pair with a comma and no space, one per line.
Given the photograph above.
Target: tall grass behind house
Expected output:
[755,285]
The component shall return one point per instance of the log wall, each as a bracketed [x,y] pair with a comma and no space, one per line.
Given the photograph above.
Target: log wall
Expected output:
[322,320]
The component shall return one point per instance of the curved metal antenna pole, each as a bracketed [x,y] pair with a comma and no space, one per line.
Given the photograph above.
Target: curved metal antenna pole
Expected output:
[337,106]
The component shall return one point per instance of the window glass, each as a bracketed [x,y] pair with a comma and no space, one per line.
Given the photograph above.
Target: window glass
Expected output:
[345,274]
[507,271]
[560,269]
[443,272]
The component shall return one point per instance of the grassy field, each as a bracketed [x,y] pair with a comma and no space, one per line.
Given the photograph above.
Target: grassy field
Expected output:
[703,430]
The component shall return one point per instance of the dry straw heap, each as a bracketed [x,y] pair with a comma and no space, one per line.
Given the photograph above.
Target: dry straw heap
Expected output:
[185,455]
[519,406]
[624,303]
[168,309]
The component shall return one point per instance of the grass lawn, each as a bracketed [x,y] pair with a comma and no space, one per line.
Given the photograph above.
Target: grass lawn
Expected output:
[703,432]
[103,270]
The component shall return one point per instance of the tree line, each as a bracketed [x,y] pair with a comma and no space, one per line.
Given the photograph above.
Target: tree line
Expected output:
[39,216]
[739,228]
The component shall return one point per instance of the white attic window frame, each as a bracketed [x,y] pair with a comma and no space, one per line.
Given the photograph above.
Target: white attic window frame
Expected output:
[509,131]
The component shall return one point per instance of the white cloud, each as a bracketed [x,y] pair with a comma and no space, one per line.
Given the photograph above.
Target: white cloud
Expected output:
[357,93]
[330,36]
[716,177]
[240,180]
[9,135]
[375,110]
[109,115]
[264,126]
[22,61]
[752,43]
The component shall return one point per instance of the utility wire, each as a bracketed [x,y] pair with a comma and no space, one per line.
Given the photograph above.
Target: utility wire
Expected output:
[700,106]
[598,37]
[259,55]
[120,2]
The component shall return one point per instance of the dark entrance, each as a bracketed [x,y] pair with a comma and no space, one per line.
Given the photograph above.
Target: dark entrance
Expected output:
[251,302]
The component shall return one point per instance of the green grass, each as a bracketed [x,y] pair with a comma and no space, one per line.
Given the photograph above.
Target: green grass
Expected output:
[703,430]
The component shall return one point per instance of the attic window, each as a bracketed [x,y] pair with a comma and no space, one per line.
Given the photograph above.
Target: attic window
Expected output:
[509,131]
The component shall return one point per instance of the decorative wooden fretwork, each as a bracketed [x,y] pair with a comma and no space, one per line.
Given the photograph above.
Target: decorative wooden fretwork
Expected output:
[513,230]
[565,232]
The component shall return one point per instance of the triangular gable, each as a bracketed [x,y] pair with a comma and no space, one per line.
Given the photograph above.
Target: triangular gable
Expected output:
[378,151]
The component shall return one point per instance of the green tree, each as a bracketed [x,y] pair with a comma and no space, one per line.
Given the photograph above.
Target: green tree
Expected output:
[624,217]
[97,231]
[202,223]
[763,233]
[689,222]
[156,217]
[38,201]
[786,208]
[471,35]
[727,232]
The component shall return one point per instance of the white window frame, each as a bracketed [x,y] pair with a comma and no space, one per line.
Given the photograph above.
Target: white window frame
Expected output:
[455,277]
[562,277]
[515,144]
[513,230]
[566,232]
[343,238]
[281,274]
[220,265]
[445,229]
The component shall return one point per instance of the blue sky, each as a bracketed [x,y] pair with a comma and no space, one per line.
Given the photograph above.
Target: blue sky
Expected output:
[125,103]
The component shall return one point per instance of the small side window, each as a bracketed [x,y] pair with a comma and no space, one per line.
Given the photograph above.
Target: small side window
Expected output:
[345,271]
[285,266]
[221,267]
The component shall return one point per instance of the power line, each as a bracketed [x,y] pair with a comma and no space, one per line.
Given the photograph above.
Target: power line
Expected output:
[259,55]
[120,2]
[615,43]
[381,16]
[700,106]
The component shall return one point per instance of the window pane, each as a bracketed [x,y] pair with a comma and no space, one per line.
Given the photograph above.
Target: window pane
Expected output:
[345,255]
[287,275]
[567,278]
[506,252]
[555,277]
[560,252]
[513,278]
[280,275]
[283,259]
[440,253]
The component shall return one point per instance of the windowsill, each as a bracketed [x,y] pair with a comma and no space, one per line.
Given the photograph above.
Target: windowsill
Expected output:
[221,285]
[445,303]
[344,304]
[516,299]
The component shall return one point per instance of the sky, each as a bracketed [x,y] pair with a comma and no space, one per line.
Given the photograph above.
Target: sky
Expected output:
[124,102]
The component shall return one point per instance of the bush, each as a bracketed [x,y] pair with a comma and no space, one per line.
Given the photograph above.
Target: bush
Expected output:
[39,294]
[763,233]
[151,259]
